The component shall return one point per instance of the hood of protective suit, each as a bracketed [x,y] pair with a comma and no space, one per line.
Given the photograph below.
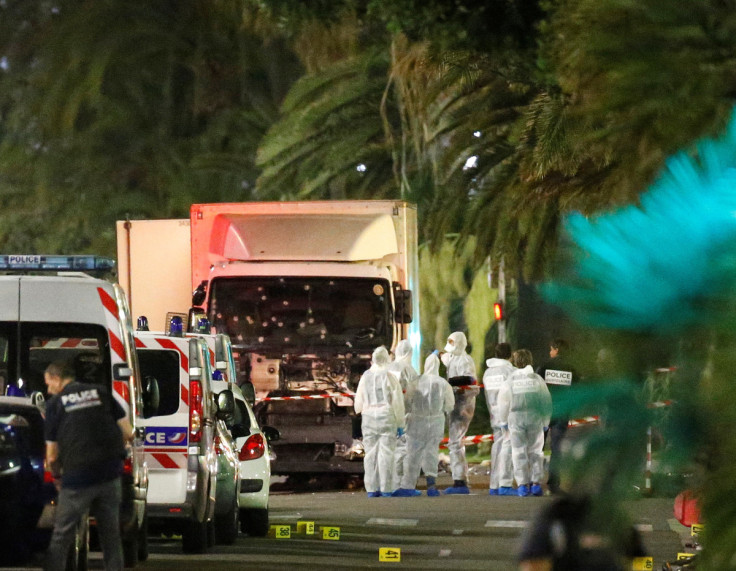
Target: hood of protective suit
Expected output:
[459,343]
[403,351]
[380,359]
[432,365]
[496,362]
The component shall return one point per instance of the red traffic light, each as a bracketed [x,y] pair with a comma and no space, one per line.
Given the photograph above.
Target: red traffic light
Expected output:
[498,311]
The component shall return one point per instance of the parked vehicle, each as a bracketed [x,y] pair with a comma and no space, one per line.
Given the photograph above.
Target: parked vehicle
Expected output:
[305,290]
[27,491]
[85,321]
[227,498]
[251,441]
[180,438]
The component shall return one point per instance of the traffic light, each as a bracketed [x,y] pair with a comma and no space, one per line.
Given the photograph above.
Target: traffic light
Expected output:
[498,311]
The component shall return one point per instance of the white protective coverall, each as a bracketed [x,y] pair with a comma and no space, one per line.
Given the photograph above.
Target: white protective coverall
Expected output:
[427,404]
[407,379]
[459,364]
[525,404]
[497,374]
[381,403]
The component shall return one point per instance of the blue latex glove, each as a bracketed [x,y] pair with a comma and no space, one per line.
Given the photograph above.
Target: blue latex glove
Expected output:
[505,426]
[399,432]
[546,428]
[436,352]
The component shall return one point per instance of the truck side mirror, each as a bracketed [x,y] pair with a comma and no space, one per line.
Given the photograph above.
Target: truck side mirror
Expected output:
[200,293]
[402,299]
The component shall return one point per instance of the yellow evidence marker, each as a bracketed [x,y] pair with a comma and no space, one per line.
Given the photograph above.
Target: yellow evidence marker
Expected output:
[306,527]
[389,554]
[643,564]
[332,533]
[281,531]
[696,529]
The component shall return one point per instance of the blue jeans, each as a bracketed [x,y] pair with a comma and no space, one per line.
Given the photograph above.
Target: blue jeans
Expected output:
[101,501]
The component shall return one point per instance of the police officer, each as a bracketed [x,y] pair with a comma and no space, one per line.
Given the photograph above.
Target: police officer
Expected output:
[86,430]
[559,375]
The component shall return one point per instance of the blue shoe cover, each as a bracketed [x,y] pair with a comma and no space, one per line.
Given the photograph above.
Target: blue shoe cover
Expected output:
[433,492]
[523,491]
[493,492]
[374,494]
[457,490]
[386,494]
[406,493]
[506,491]
[537,490]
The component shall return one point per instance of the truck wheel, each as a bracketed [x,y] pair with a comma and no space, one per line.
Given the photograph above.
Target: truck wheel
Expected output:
[254,522]
[143,538]
[130,547]
[194,537]
[227,525]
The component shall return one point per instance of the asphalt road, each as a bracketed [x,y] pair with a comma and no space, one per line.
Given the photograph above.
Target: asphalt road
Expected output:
[449,532]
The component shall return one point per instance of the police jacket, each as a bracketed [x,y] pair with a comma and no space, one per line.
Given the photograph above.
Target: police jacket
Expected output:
[82,420]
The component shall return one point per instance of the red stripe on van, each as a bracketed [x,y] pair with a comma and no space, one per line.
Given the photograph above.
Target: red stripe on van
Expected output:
[117,345]
[121,387]
[108,302]
[185,394]
[165,460]
[71,342]
[168,344]
[139,343]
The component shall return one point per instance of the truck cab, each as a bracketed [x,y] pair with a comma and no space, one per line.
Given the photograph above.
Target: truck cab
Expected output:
[52,309]
[180,449]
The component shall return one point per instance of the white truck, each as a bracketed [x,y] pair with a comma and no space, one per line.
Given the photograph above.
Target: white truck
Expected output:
[305,290]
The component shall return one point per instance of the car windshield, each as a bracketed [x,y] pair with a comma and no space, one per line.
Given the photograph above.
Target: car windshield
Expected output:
[26,349]
[302,314]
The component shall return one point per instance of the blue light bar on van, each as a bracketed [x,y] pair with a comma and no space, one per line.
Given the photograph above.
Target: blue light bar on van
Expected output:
[56,263]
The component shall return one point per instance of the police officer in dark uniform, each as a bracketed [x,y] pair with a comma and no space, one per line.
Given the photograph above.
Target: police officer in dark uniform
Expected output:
[86,430]
[559,375]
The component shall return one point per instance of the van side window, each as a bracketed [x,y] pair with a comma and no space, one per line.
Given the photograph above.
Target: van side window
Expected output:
[163,365]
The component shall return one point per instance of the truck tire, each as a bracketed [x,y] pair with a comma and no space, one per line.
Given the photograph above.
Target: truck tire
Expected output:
[130,547]
[227,525]
[194,537]
[143,538]
[254,522]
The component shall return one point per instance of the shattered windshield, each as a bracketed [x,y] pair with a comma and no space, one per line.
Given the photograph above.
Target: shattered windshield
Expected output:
[302,313]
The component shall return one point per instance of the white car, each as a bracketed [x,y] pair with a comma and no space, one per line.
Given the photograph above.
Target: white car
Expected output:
[251,440]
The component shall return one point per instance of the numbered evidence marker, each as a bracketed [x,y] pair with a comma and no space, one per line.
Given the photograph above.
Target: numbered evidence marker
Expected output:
[389,554]
[643,564]
[685,556]
[696,529]
[281,531]
[306,527]
[332,533]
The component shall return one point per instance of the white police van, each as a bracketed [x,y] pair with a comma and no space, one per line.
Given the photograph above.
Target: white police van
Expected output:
[52,309]
[180,449]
